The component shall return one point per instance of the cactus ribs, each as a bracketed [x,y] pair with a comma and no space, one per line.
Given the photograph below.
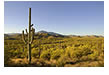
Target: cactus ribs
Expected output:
[29,37]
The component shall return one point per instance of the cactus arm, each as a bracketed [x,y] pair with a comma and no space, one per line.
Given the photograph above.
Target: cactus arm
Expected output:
[32,35]
[26,31]
[31,25]
[23,37]
[33,32]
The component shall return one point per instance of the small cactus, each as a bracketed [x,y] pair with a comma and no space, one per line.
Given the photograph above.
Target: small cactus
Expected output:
[30,36]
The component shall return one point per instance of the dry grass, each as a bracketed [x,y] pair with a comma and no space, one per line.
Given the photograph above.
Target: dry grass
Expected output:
[87,64]
[23,62]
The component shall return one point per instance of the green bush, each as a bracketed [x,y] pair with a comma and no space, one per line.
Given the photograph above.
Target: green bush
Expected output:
[56,54]
[62,61]
[45,55]
[77,52]
[35,52]
[63,50]
[94,55]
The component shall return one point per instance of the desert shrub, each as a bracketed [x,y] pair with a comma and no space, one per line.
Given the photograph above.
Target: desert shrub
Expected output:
[6,56]
[62,61]
[61,49]
[69,51]
[86,51]
[50,37]
[35,52]
[81,51]
[15,53]
[84,58]
[101,57]
[94,55]
[45,55]
[77,52]
[56,54]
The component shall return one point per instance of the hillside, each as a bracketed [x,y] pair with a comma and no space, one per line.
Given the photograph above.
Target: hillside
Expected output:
[55,50]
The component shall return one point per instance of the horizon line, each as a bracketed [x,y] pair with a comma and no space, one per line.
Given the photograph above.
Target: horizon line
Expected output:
[57,33]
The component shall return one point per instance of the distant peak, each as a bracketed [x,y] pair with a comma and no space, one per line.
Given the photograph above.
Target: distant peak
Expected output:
[42,31]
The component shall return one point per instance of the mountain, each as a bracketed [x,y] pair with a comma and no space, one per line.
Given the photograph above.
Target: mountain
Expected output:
[45,34]
[49,33]
[40,34]
[42,31]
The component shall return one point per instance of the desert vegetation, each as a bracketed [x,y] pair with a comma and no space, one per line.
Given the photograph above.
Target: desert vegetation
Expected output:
[54,51]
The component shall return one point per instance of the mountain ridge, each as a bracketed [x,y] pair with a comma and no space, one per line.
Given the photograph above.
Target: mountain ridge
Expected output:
[50,34]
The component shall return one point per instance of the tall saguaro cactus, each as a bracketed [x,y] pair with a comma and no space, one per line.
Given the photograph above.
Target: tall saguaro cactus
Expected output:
[29,37]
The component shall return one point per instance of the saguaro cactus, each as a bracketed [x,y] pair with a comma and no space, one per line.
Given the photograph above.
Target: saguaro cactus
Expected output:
[28,38]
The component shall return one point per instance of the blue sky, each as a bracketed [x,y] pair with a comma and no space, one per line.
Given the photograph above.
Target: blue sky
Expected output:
[68,17]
